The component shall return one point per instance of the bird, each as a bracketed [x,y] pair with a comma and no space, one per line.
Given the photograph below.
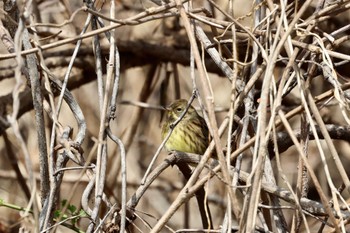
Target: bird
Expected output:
[190,135]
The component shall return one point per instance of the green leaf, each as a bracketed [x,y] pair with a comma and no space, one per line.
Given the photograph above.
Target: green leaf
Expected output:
[63,202]
[57,213]
[72,208]
[83,214]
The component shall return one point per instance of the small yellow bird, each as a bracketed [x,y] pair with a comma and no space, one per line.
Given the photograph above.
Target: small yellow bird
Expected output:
[190,135]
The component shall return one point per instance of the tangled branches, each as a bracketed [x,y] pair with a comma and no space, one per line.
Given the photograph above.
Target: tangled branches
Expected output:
[271,81]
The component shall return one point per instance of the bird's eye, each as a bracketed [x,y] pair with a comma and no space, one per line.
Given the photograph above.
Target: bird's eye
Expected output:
[179,109]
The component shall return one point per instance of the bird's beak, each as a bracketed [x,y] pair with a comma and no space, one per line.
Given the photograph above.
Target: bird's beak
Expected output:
[166,108]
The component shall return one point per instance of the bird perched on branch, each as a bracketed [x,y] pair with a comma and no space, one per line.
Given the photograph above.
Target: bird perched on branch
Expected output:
[190,135]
